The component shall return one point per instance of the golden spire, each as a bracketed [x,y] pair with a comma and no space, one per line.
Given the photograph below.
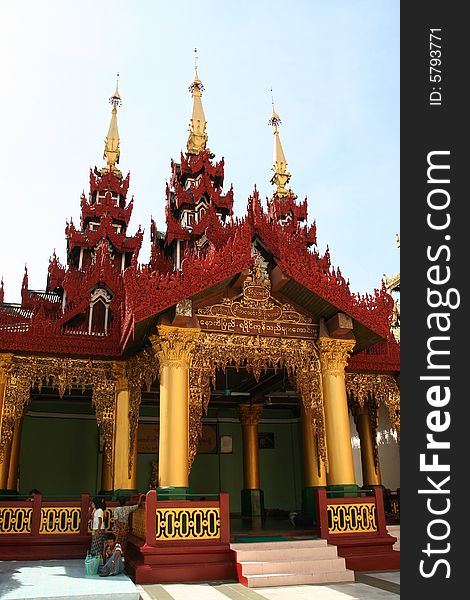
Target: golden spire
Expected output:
[197,125]
[281,176]
[111,148]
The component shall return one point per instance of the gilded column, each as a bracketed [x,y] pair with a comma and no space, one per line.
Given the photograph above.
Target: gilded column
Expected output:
[124,478]
[15,447]
[314,468]
[370,464]
[333,358]
[173,347]
[5,361]
[252,495]
[106,471]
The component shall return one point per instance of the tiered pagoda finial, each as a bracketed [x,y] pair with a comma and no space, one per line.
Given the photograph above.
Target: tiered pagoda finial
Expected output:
[197,125]
[111,148]
[281,176]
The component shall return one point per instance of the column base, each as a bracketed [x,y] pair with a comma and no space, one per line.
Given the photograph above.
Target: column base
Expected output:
[9,493]
[343,490]
[173,493]
[309,503]
[127,493]
[252,503]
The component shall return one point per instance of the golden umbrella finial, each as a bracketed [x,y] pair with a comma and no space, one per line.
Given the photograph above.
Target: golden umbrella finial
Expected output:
[197,125]
[111,149]
[281,176]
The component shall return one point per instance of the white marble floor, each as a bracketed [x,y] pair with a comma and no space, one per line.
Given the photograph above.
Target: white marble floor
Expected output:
[60,580]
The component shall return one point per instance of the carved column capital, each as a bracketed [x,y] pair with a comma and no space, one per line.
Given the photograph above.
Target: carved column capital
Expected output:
[173,346]
[5,362]
[334,354]
[249,414]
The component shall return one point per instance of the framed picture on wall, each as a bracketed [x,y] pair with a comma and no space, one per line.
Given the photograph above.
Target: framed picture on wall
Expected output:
[208,441]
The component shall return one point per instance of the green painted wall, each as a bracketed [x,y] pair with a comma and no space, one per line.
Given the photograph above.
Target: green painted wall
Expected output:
[280,468]
[58,456]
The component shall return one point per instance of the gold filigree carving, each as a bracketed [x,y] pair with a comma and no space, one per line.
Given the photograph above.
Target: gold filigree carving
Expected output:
[141,371]
[199,523]
[382,389]
[173,345]
[334,355]
[256,312]
[352,518]
[199,396]
[25,373]
[365,405]
[309,386]
[256,354]
[249,414]
[5,362]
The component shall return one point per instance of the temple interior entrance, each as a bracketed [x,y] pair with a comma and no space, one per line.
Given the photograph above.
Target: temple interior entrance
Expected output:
[218,464]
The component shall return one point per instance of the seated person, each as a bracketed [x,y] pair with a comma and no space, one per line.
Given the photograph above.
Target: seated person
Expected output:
[113,560]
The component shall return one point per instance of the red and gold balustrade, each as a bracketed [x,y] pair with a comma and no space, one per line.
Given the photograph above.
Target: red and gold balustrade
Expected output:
[38,528]
[166,521]
[181,540]
[357,526]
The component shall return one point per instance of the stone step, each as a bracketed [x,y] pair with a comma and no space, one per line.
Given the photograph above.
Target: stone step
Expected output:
[299,562]
[292,566]
[394,530]
[295,553]
[280,579]
[317,543]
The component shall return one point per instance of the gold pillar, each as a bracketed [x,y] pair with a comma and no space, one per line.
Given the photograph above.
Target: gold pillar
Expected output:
[15,446]
[370,470]
[314,467]
[333,358]
[106,472]
[5,466]
[5,361]
[249,415]
[173,347]
[123,479]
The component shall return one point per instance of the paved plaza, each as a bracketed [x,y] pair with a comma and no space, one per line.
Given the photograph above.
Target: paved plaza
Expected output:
[66,580]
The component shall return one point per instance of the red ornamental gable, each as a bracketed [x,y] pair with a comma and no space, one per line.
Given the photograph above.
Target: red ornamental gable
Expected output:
[214,248]
[150,292]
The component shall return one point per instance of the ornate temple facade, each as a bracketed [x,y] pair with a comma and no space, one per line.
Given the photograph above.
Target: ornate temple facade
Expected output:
[232,316]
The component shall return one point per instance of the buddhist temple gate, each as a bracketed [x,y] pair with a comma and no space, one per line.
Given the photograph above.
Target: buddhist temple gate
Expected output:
[253,296]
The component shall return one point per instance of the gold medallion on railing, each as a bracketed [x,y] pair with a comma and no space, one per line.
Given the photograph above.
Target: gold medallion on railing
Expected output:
[60,519]
[188,524]
[351,518]
[15,519]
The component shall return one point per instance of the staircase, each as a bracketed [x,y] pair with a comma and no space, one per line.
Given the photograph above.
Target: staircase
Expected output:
[265,564]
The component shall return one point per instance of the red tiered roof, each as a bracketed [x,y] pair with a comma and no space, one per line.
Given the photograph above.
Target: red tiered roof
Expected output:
[55,321]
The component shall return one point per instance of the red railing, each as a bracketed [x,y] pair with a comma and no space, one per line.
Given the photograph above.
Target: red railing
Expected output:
[165,522]
[38,528]
[363,515]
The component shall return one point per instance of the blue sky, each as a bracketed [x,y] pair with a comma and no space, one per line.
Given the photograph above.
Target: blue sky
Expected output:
[334,70]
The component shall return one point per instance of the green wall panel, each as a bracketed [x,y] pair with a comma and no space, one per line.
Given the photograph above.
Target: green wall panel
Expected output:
[59,456]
